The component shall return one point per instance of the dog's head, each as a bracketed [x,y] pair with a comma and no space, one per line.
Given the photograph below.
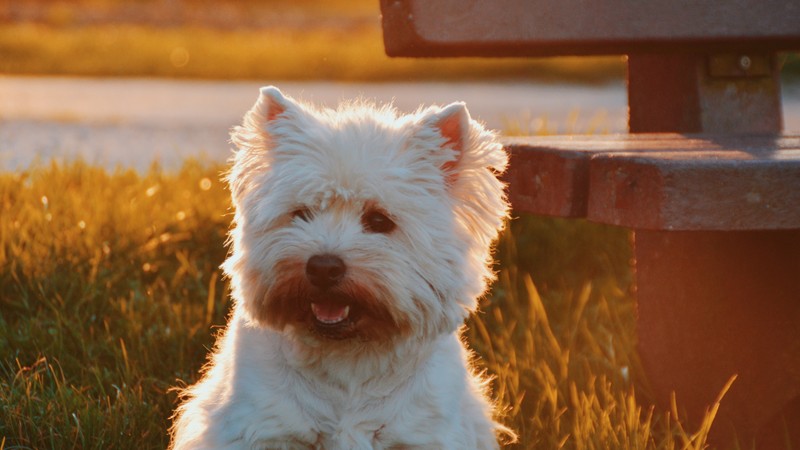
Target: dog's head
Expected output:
[359,223]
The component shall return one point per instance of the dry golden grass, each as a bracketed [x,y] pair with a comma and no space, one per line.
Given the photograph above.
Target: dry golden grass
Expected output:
[110,293]
[275,54]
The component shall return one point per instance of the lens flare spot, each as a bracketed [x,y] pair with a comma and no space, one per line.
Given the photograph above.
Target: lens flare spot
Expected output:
[179,57]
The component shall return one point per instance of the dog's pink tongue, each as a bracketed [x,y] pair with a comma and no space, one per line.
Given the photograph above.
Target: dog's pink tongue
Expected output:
[330,312]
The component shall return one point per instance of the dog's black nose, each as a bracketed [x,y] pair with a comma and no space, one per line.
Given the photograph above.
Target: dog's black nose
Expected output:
[325,271]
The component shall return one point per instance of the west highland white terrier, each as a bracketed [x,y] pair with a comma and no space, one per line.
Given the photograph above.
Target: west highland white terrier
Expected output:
[361,243]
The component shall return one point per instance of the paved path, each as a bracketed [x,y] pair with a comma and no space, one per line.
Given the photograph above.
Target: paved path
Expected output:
[131,122]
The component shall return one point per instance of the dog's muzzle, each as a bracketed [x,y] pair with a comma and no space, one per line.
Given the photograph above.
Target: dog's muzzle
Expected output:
[332,311]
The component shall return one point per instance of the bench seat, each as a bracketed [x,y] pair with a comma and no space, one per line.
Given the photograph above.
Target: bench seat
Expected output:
[660,181]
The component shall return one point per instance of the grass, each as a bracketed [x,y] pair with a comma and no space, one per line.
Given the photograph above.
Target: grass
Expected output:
[241,39]
[332,53]
[110,293]
[248,39]
[108,290]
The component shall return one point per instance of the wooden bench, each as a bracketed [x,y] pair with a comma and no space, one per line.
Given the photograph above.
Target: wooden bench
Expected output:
[706,180]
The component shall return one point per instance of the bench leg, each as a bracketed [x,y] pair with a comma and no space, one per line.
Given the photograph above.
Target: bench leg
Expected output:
[715,304]
[689,93]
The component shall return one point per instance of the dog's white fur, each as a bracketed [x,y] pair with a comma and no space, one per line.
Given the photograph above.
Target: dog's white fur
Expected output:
[402,377]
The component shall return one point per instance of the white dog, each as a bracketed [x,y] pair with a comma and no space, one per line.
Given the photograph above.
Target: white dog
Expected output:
[361,243]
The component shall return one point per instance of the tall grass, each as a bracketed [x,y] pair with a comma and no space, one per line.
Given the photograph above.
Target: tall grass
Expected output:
[108,290]
[110,294]
[564,360]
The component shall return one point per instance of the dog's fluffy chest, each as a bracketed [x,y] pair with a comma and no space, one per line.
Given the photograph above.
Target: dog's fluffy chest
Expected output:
[315,405]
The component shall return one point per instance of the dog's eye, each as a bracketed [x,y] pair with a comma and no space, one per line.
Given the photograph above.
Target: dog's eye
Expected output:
[303,214]
[377,222]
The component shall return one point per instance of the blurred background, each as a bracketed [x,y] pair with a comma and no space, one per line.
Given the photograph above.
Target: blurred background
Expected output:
[235,39]
[163,79]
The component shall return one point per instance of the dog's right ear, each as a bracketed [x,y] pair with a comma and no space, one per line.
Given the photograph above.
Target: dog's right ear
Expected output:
[271,104]
[254,138]
[254,135]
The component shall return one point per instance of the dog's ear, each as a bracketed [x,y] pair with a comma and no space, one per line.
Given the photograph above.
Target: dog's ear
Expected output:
[253,134]
[453,124]
[253,139]
[271,104]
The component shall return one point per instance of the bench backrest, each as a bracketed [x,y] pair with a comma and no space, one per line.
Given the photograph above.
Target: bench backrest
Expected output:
[694,66]
[584,27]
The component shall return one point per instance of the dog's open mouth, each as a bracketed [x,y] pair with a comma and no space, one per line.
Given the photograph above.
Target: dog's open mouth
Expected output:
[330,313]
[333,318]
[342,314]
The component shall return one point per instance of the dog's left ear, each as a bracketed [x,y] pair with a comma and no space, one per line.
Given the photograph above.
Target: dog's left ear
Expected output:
[453,124]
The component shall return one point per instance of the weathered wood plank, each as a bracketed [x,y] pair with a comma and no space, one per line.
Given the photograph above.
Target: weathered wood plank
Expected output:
[578,27]
[660,181]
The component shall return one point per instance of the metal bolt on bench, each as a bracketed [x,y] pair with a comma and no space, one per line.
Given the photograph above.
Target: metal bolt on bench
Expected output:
[706,180]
